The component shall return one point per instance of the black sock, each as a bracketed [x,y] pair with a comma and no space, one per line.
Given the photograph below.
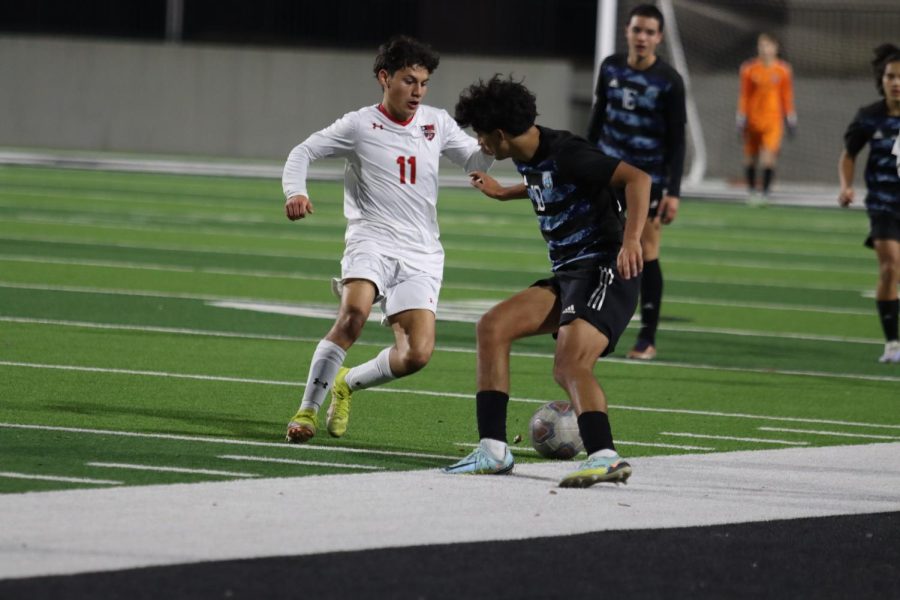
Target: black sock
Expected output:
[490,408]
[651,299]
[751,177]
[767,179]
[595,431]
[888,313]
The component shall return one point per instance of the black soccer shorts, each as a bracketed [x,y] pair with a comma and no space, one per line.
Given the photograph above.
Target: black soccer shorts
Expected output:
[883,226]
[598,295]
[656,194]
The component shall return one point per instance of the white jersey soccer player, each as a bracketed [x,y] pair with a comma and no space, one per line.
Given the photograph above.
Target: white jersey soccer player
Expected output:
[391,178]
[393,250]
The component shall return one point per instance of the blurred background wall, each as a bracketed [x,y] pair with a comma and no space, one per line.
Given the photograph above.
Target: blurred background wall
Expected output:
[242,79]
[214,100]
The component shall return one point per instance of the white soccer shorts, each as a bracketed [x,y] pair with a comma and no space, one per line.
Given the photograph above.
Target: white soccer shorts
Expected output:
[399,286]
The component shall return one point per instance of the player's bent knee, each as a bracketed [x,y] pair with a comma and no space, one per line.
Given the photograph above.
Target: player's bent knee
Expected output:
[415,359]
[489,331]
[350,323]
[567,374]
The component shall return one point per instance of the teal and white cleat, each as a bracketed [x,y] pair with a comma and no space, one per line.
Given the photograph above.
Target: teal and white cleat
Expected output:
[891,353]
[481,462]
[596,469]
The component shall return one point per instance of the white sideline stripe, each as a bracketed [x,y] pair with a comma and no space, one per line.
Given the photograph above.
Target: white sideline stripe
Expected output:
[292,461]
[289,338]
[213,297]
[208,440]
[13,475]
[867,436]
[134,467]
[619,361]
[409,509]
[394,390]
[732,438]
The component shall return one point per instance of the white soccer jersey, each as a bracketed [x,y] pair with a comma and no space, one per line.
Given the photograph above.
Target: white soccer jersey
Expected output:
[391,177]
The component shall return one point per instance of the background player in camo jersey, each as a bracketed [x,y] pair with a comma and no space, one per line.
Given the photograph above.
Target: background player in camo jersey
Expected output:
[878,125]
[639,117]
[393,252]
[596,259]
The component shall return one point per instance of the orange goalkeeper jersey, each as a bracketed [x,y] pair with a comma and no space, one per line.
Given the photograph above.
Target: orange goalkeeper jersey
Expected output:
[767,94]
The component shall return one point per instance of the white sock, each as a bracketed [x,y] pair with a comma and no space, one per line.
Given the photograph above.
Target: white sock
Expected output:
[605,453]
[495,448]
[323,368]
[371,373]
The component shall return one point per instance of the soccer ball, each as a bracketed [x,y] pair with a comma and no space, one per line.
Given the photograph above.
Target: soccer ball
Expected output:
[554,431]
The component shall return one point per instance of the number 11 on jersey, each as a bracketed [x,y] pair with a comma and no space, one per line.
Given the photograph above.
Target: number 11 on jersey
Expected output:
[402,161]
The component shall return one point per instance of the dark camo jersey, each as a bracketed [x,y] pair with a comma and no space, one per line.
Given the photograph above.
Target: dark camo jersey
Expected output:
[639,117]
[875,127]
[568,184]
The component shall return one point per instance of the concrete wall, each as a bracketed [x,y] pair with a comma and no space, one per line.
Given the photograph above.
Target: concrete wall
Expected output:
[201,100]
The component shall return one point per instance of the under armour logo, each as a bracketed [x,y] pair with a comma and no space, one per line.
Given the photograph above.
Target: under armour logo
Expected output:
[377,126]
[320,383]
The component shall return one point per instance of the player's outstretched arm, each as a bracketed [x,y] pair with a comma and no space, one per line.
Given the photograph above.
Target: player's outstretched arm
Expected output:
[630,261]
[491,188]
[297,207]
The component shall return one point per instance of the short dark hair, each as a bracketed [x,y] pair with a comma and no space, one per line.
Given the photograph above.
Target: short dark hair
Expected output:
[884,54]
[499,103]
[402,51]
[649,11]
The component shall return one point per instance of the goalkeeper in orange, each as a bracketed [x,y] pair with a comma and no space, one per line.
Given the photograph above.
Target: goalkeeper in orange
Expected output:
[765,107]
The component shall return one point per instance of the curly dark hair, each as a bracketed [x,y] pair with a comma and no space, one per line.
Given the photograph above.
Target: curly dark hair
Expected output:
[403,51]
[884,54]
[497,104]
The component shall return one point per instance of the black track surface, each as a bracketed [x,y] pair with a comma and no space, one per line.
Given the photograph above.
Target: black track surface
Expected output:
[854,557]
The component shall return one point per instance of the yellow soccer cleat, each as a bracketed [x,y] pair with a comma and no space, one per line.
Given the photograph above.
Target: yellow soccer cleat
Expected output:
[596,469]
[303,426]
[338,415]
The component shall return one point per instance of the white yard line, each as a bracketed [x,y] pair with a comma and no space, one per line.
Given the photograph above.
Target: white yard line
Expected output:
[13,475]
[620,361]
[80,531]
[299,255]
[263,302]
[99,223]
[211,440]
[465,396]
[161,469]
[732,438]
[867,436]
[291,461]
[289,338]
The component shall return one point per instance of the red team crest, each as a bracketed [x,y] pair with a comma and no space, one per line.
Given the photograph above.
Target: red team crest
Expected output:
[428,131]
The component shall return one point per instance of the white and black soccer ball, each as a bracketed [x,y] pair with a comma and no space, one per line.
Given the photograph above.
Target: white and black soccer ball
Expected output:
[554,431]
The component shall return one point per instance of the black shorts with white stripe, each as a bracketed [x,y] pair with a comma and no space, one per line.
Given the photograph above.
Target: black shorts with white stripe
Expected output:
[597,294]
